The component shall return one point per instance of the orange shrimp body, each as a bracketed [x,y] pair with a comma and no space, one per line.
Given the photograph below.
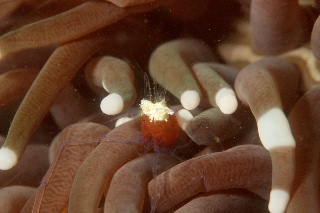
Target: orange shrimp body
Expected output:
[158,123]
[161,132]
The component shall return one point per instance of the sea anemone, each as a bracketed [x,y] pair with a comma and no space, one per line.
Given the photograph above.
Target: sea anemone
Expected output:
[240,78]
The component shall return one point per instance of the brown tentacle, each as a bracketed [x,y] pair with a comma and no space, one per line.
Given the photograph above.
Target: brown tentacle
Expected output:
[95,174]
[53,77]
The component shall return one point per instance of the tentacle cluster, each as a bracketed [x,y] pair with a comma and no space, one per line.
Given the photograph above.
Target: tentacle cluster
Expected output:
[241,79]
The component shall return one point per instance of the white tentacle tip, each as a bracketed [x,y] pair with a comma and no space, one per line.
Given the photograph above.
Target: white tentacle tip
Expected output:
[279,200]
[190,99]
[122,120]
[226,100]
[112,104]
[274,129]
[183,117]
[8,158]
